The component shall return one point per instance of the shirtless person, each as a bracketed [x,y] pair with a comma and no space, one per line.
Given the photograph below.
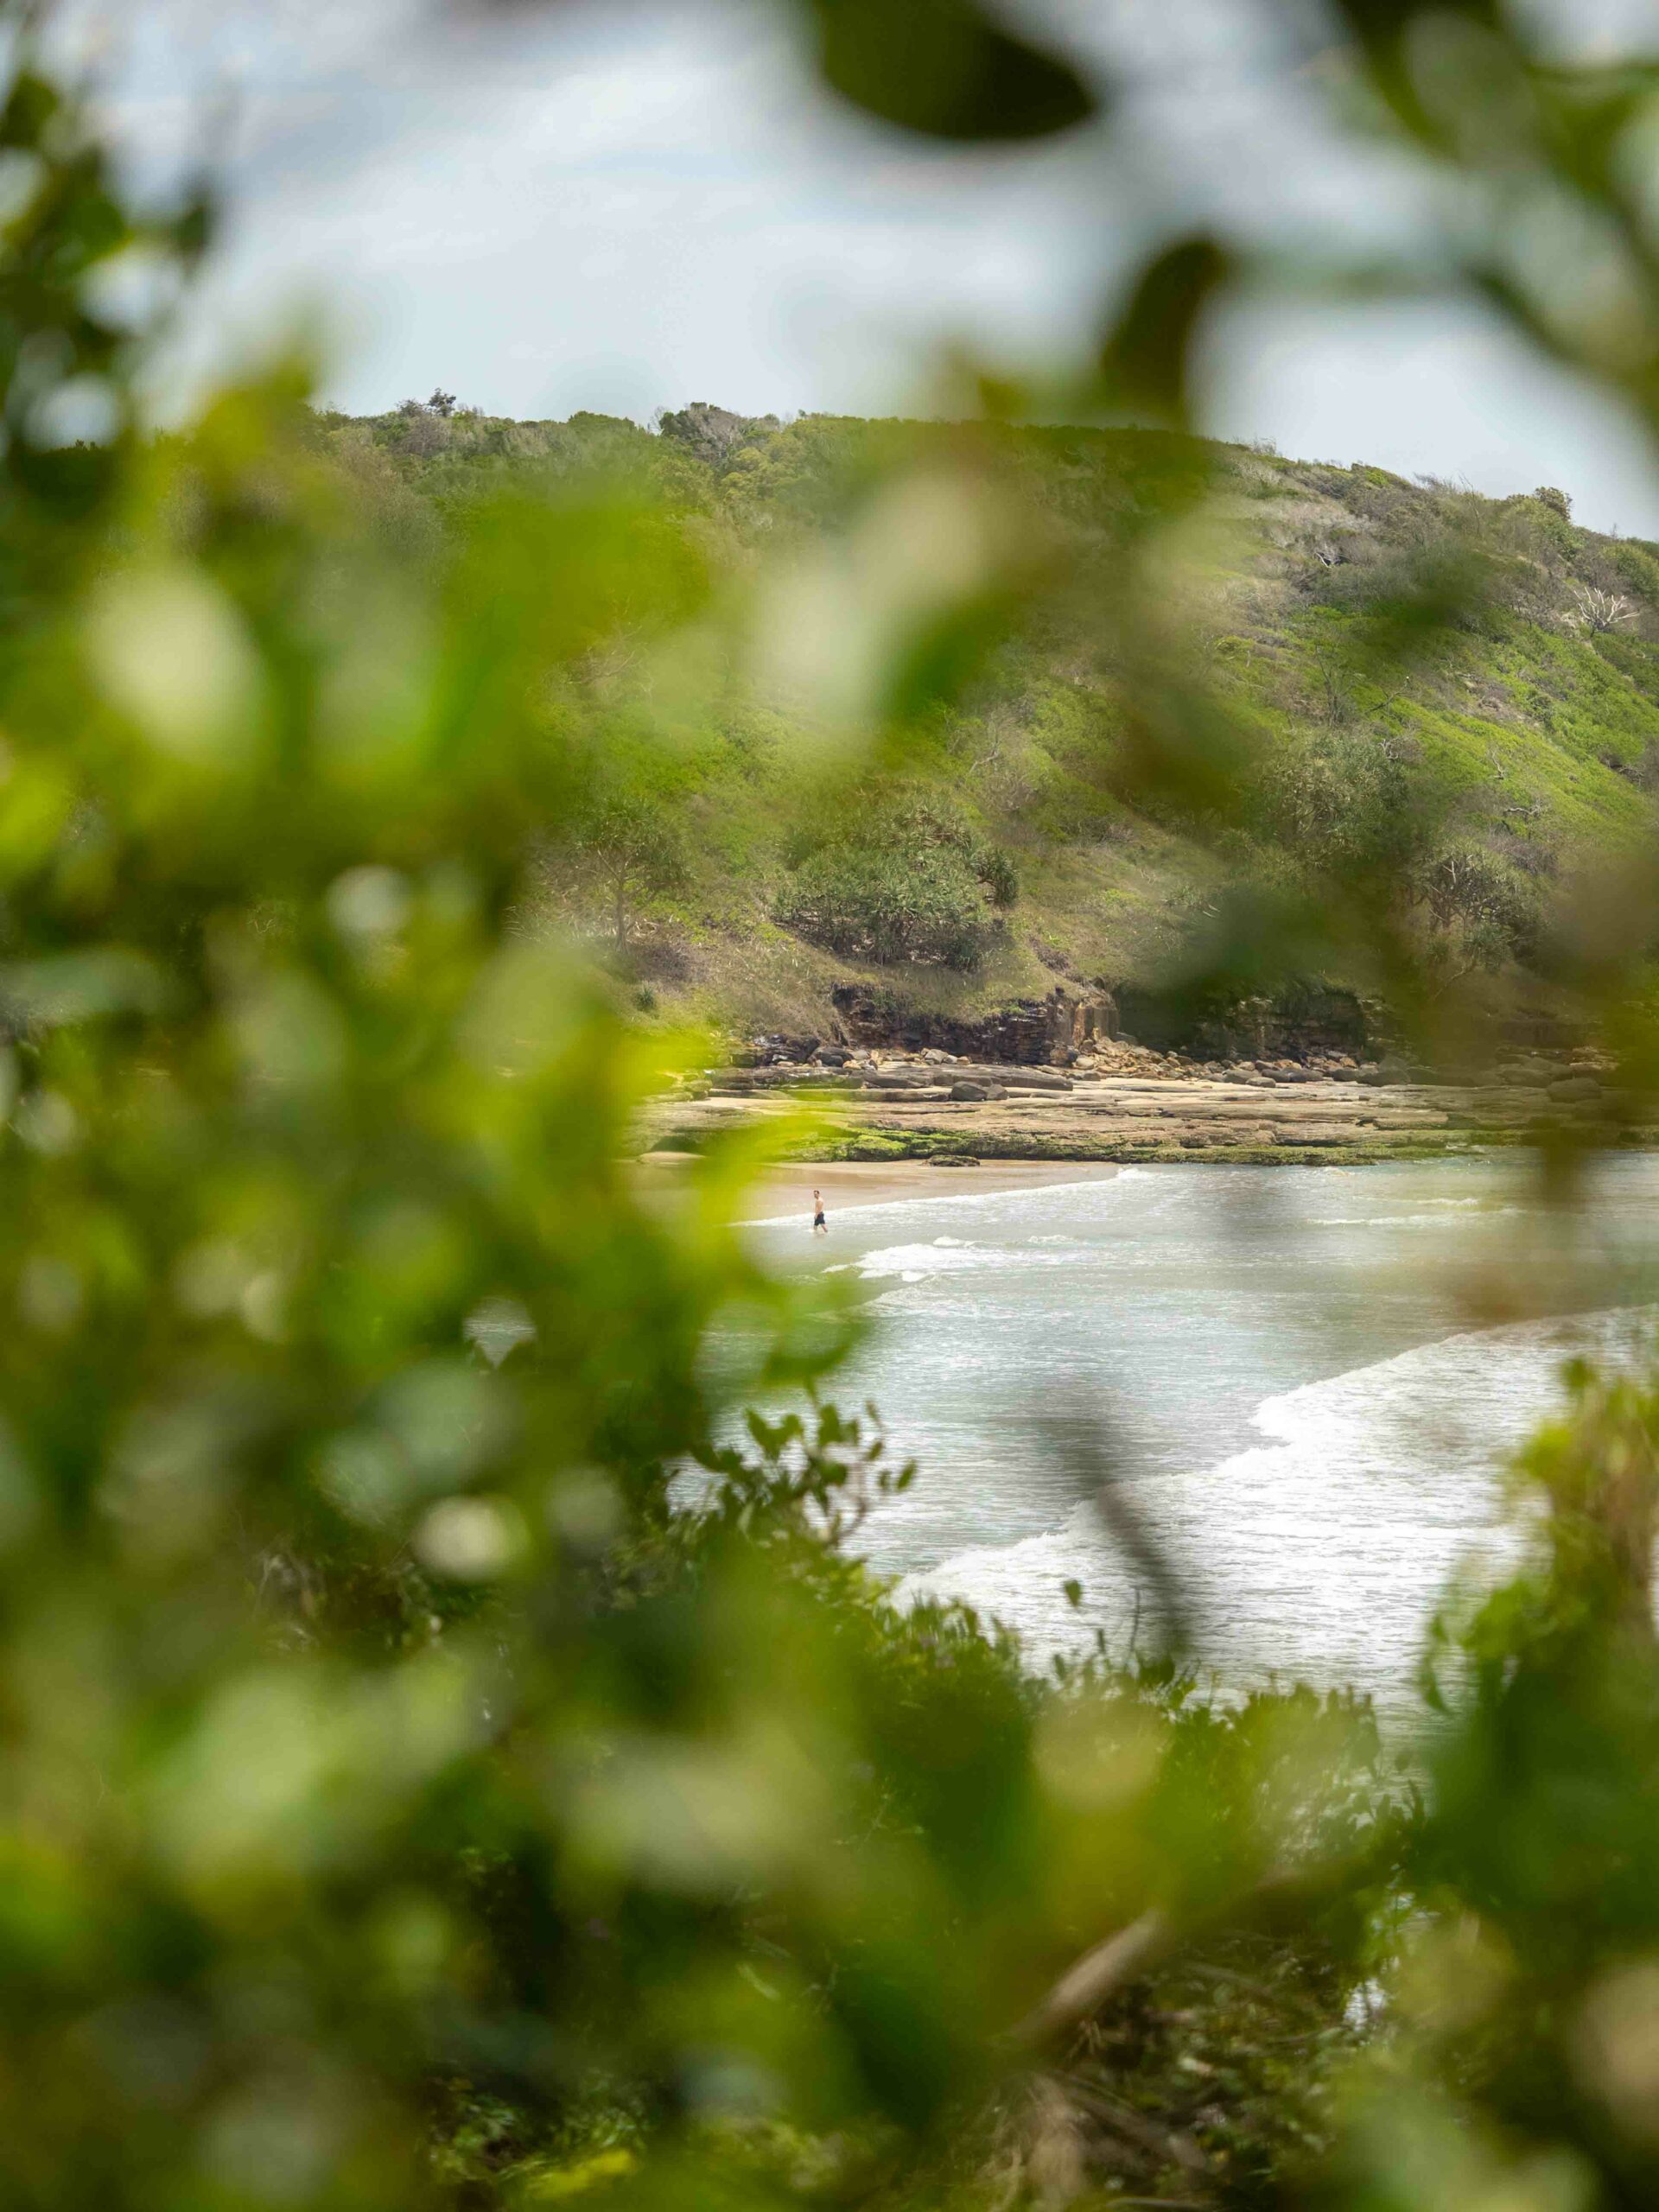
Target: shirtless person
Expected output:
[820,1226]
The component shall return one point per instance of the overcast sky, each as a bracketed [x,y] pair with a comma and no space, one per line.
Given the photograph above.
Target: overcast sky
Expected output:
[626,206]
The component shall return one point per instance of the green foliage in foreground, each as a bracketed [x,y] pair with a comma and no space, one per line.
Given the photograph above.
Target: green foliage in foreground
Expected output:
[401,1803]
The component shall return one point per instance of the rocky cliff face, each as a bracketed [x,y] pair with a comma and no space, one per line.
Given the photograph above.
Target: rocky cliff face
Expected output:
[1029,1033]
[1035,1032]
[1318,1024]
[1314,1023]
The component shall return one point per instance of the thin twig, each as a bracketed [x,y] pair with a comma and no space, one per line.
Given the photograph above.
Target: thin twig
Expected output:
[1098,1975]
[1107,1969]
[1146,2134]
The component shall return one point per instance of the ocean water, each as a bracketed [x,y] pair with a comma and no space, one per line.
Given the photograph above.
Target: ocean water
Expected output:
[1296,1389]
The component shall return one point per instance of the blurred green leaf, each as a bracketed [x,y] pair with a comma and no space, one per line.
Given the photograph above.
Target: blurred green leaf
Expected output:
[1145,361]
[948,69]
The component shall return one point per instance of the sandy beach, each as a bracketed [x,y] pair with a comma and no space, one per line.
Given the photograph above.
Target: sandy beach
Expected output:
[784,1194]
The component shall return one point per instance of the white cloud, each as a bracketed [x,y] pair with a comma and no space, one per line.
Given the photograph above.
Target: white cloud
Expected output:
[619,204]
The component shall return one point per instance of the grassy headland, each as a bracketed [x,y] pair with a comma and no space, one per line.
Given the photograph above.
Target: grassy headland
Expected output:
[747,880]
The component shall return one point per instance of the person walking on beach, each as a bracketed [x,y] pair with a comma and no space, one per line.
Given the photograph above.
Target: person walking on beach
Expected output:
[820,1226]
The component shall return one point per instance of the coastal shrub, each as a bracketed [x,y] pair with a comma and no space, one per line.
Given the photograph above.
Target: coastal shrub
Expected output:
[633,849]
[1526,1992]
[889,907]
[1344,799]
[1481,908]
[912,885]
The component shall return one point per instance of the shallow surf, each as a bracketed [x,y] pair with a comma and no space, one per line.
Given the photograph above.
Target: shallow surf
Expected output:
[1305,1383]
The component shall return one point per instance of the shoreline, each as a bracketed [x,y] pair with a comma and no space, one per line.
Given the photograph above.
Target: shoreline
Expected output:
[783,1194]
[1052,1117]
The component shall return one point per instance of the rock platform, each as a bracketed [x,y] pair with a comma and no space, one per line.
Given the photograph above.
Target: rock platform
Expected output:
[1127,1104]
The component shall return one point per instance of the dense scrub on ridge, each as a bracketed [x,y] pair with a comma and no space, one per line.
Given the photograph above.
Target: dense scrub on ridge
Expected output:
[1520,743]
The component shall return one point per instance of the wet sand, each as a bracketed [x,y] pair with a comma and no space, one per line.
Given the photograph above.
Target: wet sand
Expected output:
[784,1194]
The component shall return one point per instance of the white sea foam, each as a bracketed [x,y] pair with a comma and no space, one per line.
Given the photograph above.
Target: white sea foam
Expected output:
[945,1257]
[1319,1554]
[1171,1312]
[910,1262]
[1408,1220]
[840,1208]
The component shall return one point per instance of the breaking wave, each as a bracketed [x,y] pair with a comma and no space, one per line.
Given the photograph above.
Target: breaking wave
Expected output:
[1318,1554]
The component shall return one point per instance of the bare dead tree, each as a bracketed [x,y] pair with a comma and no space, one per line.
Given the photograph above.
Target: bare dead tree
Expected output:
[1596,611]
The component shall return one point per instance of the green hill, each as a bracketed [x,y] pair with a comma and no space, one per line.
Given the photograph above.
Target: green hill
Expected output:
[752,864]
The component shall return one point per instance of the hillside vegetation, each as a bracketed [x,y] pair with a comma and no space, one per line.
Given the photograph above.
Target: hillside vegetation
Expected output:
[741,871]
